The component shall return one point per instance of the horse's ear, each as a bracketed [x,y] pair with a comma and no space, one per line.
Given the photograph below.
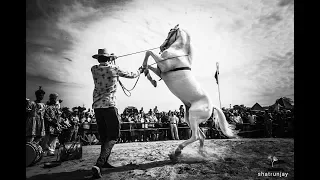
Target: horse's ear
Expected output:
[177,26]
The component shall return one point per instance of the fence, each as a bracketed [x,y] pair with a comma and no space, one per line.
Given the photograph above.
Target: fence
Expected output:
[144,129]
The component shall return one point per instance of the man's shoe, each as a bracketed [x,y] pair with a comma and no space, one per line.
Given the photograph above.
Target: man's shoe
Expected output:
[96,173]
[107,165]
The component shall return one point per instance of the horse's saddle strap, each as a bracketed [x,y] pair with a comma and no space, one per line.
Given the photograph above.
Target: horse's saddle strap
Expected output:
[177,69]
[180,68]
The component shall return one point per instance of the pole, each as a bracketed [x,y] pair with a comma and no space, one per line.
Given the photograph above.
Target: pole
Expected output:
[219,96]
[218,83]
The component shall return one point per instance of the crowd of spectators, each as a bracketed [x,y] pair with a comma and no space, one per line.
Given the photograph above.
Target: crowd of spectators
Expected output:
[154,125]
[267,123]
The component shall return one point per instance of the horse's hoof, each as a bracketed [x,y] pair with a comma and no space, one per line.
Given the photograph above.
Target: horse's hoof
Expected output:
[177,152]
[173,157]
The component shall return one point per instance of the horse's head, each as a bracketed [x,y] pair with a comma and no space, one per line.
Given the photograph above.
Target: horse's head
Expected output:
[171,38]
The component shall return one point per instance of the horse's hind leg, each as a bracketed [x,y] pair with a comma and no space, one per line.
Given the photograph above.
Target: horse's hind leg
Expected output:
[195,114]
[194,137]
[201,140]
[202,137]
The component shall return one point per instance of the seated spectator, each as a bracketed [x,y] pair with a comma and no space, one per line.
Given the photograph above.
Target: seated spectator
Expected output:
[92,139]
[237,118]
[93,120]
[144,121]
[74,121]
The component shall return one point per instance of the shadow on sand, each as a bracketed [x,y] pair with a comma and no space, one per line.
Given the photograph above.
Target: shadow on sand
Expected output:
[86,174]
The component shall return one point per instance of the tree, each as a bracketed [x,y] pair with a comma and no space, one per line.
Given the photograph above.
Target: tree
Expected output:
[288,99]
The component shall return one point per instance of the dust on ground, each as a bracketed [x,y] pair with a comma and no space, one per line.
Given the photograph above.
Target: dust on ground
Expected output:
[224,159]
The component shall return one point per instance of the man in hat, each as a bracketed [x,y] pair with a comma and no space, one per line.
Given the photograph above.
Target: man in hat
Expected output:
[105,76]
[35,130]
[52,124]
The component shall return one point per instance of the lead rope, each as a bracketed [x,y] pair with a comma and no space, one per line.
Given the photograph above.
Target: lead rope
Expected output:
[122,86]
[125,90]
[128,90]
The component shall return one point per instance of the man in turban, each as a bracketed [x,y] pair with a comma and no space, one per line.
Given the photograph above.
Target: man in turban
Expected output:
[35,129]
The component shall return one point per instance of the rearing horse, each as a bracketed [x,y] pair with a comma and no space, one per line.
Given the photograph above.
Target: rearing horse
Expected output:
[174,67]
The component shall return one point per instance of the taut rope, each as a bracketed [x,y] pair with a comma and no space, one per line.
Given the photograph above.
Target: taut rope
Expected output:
[125,90]
[138,52]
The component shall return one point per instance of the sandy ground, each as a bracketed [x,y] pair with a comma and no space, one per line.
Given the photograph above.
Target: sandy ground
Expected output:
[224,159]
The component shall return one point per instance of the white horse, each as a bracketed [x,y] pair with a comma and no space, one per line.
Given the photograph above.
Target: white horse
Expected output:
[174,67]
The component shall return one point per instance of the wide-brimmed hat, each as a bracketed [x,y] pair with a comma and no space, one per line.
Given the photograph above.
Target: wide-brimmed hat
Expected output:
[102,52]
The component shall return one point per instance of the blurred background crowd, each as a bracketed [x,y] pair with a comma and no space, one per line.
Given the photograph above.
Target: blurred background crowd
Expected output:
[50,124]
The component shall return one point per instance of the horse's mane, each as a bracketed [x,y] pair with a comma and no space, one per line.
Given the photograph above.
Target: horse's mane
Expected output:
[188,44]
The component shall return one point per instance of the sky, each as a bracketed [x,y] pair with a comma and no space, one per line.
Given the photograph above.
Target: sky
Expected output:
[252,40]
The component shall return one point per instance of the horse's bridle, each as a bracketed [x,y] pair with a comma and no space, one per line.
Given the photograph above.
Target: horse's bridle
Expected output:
[175,32]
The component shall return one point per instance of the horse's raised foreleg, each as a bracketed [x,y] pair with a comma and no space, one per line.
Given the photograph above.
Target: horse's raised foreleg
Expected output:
[147,73]
[155,70]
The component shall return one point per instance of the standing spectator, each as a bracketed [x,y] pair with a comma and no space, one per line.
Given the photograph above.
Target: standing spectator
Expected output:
[52,124]
[268,124]
[210,125]
[232,118]
[173,126]
[35,129]
[165,124]
[141,111]
[252,124]
[151,120]
[251,118]
[150,111]
[155,110]
[106,75]
[280,124]
[88,118]
[181,110]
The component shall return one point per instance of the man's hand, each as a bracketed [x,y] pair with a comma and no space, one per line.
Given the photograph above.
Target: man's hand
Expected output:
[141,69]
[113,57]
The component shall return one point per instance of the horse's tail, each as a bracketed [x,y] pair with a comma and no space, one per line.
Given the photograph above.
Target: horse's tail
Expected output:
[226,128]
